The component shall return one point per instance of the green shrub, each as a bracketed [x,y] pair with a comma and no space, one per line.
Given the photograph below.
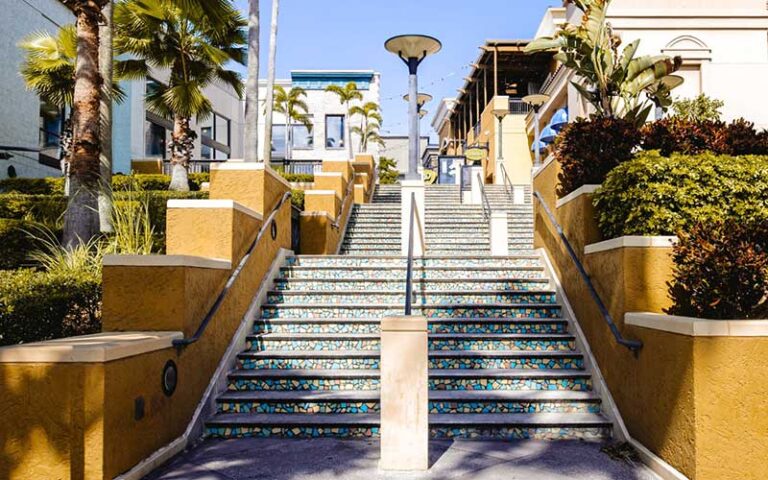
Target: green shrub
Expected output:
[388,174]
[47,209]
[15,244]
[697,109]
[36,306]
[656,195]
[588,149]
[721,271]
[297,198]
[154,182]
[196,180]
[33,186]
[299,177]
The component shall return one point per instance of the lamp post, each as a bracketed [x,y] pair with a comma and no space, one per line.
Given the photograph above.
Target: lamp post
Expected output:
[500,110]
[536,101]
[412,50]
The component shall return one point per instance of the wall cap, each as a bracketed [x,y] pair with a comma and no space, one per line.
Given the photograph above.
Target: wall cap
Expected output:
[98,348]
[222,204]
[582,190]
[166,261]
[318,214]
[239,164]
[402,323]
[697,327]
[536,171]
[319,192]
[631,241]
[329,174]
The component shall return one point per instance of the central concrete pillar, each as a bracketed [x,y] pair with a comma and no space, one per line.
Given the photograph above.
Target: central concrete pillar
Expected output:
[404,394]
[411,189]
[499,233]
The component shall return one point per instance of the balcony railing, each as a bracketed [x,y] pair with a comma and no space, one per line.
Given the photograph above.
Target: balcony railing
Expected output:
[518,107]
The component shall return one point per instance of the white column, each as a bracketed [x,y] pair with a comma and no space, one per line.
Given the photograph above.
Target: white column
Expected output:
[412,189]
[477,196]
[499,233]
[404,394]
[518,194]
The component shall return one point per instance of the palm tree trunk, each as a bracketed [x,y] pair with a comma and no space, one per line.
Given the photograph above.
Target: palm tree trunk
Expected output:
[251,130]
[182,143]
[271,82]
[105,65]
[348,132]
[81,220]
[288,134]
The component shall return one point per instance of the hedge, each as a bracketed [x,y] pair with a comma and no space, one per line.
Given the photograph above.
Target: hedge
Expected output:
[47,209]
[15,243]
[656,195]
[297,198]
[36,306]
[721,271]
[55,185]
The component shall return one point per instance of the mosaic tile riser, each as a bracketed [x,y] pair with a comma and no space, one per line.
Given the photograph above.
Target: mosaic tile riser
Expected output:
[293,432]
[442,363]
[523,433]
[333,298]
[434,407]
[438,328]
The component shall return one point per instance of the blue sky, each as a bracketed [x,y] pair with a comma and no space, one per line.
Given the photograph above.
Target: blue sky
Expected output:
[350,34]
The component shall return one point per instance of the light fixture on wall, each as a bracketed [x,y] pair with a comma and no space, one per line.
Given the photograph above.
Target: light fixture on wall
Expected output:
[536,101]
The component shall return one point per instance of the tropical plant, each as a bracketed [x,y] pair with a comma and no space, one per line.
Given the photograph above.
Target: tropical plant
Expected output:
[388,173]
[588,150]
[293,107]
[132,220]
[617,84]
[347,94]
[194,48]
[251,120]
[721,271]
[270,102]
[698,109]
[370,124]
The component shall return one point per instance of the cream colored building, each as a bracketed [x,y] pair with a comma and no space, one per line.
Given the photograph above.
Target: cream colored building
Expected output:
[724,46]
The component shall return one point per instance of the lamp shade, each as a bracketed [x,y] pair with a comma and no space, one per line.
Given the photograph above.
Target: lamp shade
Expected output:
[542,146]
[421,98]
[413,46]
[559,119]
[548,134]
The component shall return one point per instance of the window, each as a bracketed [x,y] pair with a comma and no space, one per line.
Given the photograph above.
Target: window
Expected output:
[334,131]
[302,137]
[51,125]
[208,153]
[154,140]
[215,133]
[278,141]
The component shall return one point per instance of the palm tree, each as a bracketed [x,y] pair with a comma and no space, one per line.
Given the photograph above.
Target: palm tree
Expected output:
[271,82]
[251,127]
[193,48]
[293,107]
[368,130]
[346,95]
[105,162]
[81,220]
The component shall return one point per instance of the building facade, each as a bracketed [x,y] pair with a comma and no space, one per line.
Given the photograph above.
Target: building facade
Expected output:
[25,119]
[396,148]
[326,138]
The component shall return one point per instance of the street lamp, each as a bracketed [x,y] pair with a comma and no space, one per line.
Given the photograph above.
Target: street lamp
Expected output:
[500,110]
[421,99]
[412,50]
[536,101]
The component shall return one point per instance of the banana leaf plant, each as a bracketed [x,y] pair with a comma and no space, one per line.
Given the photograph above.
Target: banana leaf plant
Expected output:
[616,83]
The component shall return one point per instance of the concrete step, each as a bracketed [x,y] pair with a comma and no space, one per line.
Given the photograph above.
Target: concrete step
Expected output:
[420,273]
[378,310]
[295,297]
[421,285]
[351,326]
[370,360]
[422,262]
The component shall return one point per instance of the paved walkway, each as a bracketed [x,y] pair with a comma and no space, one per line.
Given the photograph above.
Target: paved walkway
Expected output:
[326,459]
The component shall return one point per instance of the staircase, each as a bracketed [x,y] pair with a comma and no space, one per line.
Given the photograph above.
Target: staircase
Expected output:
[503,364]
[387,194]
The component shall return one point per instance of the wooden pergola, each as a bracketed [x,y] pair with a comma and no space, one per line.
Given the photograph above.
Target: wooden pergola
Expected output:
[502,68]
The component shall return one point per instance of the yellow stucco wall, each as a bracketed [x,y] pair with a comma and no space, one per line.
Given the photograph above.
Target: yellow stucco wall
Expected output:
[76,421]
[697,402]
[257,189]
[223,233]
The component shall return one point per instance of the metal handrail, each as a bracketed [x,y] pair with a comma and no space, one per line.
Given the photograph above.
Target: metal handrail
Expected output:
[184,342]
[486,204]
[507,181]
[633,345]
[413,220]
[350,188]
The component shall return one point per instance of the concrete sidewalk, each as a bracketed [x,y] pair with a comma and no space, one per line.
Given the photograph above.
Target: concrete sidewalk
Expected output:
[326,459]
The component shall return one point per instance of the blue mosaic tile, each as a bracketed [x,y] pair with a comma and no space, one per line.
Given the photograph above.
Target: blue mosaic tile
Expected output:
[576,384]
[304,384]
[292,432]
[522,433]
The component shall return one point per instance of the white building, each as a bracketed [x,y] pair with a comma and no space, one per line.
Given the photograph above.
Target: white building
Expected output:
[396,148]
[723,45]
[325,140]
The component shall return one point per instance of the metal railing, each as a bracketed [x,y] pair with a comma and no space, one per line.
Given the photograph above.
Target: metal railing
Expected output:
[413,221]
[518,107]
[506,181]
[303,167]
[486,204]
[633,345]
[195,166]
[266,227]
